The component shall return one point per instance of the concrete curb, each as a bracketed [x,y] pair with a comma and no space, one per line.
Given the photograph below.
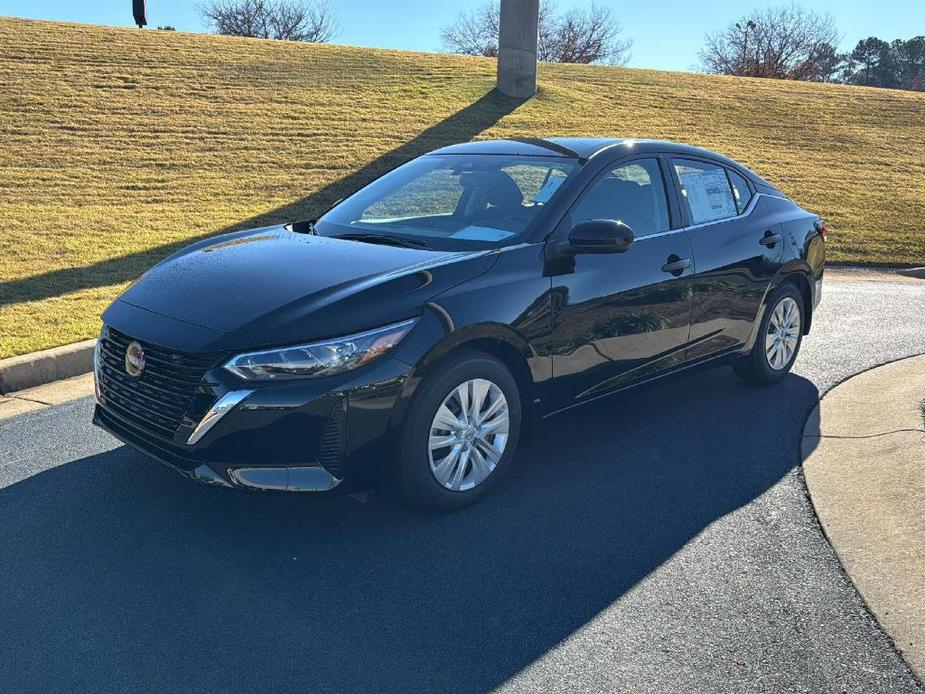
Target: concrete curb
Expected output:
[863,451]
[886,269]
[875,272]
[38,368]
[916,272]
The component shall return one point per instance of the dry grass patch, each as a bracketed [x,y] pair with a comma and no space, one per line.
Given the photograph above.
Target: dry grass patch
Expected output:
[117,146]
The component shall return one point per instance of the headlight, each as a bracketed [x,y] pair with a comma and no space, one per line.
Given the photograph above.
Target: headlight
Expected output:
[318,358]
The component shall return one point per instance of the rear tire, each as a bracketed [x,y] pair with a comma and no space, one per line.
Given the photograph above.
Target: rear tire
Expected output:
[780,335]
[451,456]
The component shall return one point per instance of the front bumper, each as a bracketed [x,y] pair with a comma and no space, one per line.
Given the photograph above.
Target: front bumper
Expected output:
[316,435]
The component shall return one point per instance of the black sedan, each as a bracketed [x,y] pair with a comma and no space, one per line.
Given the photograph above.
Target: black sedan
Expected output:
[420,328]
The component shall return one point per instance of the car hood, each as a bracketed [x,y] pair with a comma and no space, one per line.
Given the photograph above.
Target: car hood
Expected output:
[273,286]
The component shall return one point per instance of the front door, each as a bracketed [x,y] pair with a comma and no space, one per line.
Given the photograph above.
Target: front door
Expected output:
[622,317]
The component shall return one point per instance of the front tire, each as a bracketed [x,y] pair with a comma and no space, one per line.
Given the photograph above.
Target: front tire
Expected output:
[461,432]
[780,335]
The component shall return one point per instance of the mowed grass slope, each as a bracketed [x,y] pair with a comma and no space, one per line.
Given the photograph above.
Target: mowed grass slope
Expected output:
[118,146]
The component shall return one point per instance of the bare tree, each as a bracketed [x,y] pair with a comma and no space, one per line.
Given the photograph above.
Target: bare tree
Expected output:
[476,32]
[781,42]
[288,20]
[589,35]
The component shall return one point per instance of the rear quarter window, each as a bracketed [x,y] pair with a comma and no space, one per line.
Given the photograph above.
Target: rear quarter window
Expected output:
[740,190]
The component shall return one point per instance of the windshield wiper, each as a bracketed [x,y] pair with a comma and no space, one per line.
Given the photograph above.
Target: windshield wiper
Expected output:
[383,239]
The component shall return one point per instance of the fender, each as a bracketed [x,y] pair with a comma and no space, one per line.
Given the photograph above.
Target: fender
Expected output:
[476,332]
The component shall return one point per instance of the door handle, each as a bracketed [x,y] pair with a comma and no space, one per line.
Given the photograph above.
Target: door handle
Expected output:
[770,239]
[676,265]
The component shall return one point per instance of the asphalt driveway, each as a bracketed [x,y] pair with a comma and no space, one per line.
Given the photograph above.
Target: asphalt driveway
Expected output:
[656,542]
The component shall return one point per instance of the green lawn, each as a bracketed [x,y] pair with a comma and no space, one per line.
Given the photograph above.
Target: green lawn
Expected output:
[118,146]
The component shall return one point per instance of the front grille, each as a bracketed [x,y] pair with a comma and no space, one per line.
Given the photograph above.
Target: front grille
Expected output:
[144,441]
[331,446]
[157,400]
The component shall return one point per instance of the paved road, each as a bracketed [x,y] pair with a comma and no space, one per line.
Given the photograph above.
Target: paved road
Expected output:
[659,542]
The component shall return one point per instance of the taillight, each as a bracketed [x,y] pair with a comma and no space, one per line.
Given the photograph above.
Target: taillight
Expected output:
[823,229]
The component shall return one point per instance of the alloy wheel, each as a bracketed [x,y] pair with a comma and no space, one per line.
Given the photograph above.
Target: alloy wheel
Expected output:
[783,335]
[468,434]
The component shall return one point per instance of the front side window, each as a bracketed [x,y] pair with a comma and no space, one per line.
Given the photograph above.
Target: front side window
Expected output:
[453,201]
[706,190]
[633,193]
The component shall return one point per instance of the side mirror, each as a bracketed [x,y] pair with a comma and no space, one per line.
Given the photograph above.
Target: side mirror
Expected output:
[601,236]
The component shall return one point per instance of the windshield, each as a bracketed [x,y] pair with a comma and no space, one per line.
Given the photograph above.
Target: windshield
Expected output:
[452,201]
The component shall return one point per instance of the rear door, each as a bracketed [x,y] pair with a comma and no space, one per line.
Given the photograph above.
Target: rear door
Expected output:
[622,317]
[737,246]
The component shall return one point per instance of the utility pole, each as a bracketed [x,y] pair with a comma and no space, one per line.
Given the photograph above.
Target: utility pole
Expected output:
[517,47]
[140,10]
[750,24]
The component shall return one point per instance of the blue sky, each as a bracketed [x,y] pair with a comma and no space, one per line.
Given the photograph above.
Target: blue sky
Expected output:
[666,34]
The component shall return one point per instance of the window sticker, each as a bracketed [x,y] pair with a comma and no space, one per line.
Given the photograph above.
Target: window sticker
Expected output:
[474,233]
[708,194]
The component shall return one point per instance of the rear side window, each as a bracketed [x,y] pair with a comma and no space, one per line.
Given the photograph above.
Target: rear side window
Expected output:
[740,189]
[706,190]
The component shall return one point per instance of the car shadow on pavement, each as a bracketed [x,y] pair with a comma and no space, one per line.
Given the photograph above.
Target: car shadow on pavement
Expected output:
[117,574]
[462,126]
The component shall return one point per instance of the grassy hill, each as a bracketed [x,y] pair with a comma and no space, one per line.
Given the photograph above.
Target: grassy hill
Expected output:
[118,146]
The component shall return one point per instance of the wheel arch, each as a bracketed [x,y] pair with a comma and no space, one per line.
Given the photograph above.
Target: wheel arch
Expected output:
[500,341]
[798,278]
[796,275]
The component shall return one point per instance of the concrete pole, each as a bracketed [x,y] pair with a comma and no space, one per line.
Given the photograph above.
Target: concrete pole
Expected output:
[517,48]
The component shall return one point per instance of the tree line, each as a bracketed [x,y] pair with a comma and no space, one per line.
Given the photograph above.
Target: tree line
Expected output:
[313,21]
[792,43]
[877,63]
[787,42]
[578,35]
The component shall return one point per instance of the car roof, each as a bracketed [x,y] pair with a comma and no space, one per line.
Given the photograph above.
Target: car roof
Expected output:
[574,147]
[585,148]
